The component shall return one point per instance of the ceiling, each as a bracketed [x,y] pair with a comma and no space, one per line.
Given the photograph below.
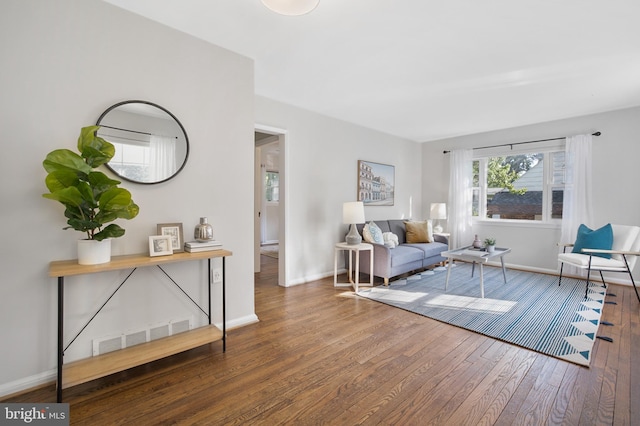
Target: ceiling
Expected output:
[424,69]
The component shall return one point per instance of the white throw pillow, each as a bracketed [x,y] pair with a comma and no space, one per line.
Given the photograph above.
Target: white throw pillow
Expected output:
[390,239]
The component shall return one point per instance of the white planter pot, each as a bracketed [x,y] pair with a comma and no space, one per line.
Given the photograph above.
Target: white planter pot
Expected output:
[92,252]
[491,249]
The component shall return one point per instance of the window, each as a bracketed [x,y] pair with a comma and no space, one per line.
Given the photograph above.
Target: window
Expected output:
[131,160]
[272,187]
[527,186]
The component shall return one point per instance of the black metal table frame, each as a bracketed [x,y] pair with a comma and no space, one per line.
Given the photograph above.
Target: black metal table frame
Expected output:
[62,349]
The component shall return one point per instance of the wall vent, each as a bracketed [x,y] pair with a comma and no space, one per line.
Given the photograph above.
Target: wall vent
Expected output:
[104,345]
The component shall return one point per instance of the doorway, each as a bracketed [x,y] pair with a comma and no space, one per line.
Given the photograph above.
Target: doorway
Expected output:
[269,199]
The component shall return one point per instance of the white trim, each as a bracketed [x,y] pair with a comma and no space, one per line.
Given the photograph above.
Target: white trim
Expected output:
[240,322]
[29,382]
[283,137]
[517,223]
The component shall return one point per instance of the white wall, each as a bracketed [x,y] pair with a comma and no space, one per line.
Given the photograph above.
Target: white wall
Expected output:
[615,177]
[321,156]
[63,64]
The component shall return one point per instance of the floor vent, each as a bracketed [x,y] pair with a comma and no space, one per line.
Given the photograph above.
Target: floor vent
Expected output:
[132,338]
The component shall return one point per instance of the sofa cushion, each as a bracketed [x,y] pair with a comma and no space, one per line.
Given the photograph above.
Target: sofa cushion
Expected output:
[429,249]
[397,227]
[404,254]
[372,233]
[418,232]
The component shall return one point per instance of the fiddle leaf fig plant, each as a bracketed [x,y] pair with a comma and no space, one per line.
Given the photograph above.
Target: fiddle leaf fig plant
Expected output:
[91,199]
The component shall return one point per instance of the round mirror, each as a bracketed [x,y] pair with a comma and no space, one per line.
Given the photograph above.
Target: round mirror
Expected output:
[151,144]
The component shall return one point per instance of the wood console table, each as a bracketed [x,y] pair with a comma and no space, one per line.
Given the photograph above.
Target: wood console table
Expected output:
[91,368]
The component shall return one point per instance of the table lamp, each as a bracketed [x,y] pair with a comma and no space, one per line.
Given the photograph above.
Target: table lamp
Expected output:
[352,213]
[438,212]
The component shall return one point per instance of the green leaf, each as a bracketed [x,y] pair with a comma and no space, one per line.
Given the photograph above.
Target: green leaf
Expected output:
[111,231]
[70,195]
[95,150]
[61,179]
[64,159]
[101,182]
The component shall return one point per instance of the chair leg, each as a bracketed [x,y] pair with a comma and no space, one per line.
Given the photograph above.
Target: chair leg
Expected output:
[631,276]
[602,278]
[560,279]
[586,290]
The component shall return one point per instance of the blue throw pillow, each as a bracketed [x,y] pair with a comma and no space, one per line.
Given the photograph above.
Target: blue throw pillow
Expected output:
[601,239]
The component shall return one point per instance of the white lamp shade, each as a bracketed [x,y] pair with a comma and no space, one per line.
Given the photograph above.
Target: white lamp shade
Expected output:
[291,7]
[353,212]
[438,211]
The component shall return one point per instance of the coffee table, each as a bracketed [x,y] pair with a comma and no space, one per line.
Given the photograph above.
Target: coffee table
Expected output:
[469,254]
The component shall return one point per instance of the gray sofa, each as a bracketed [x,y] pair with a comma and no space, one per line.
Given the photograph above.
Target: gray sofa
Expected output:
[391,262]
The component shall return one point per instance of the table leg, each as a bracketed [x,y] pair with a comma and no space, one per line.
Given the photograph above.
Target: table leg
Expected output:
[481,281]
[60,337]
[371,267]
[473,268]
[356,272]
[350,266]
[335,267]
[504,272]
[446,283]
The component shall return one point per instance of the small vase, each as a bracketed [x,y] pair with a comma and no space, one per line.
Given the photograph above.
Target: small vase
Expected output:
[477,243]
[203,231]
[93,252]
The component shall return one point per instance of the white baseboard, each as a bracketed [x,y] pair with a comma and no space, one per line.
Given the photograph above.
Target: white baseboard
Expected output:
[26,383]
[310,278]
[240,322]
[50,376]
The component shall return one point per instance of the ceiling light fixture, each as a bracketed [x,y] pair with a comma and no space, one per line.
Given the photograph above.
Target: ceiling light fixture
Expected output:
[291,7]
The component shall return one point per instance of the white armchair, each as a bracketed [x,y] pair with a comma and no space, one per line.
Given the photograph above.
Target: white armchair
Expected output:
[624,253]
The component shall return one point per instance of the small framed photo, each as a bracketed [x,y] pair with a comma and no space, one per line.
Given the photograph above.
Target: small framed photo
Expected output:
[160,245]
[173,230]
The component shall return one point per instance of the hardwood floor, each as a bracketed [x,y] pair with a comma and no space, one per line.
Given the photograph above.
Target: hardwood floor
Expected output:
[323,356]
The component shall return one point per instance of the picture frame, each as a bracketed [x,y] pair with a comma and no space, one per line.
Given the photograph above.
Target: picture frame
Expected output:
[174,230]
[160,245]
[376,183]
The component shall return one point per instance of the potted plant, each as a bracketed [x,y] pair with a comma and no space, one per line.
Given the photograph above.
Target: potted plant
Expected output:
[490,244]
[91,199]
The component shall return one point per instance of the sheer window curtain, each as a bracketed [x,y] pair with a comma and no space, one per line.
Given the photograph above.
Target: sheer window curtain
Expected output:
[577,200]
[162,159]
[460,197]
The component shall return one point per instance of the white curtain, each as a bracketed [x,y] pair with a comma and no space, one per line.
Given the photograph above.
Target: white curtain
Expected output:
[577,200]
[162,161]
[460,197]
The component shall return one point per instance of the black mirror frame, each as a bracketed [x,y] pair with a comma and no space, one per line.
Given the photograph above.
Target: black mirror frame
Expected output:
[186,138]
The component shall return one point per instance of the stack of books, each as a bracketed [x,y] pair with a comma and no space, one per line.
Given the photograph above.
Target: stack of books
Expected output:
[196,246]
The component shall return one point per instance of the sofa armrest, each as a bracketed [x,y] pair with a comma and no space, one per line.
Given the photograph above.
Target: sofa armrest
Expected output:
[441,238]
[381,260]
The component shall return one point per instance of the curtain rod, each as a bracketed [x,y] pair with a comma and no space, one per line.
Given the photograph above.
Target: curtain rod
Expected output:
[520,143]
[127,130]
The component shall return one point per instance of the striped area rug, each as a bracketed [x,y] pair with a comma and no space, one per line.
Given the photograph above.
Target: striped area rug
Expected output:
[530,310]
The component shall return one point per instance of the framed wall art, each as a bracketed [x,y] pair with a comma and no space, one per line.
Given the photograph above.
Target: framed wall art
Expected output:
[160,245]
[376,183]
[173,230]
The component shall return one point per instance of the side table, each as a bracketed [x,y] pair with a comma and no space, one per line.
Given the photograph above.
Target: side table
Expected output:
[353,249]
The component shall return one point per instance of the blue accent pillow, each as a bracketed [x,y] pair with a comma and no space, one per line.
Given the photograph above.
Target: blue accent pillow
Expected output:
[601,239]
[372,233]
